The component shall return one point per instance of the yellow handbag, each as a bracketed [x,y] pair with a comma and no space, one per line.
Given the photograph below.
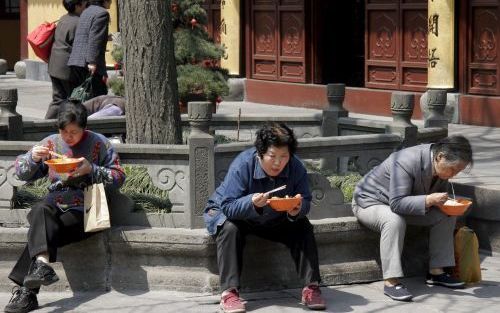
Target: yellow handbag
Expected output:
[467,263]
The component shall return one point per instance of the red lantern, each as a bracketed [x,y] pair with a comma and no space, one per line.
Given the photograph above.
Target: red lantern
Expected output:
[174,7]
[194,22]
[219,99]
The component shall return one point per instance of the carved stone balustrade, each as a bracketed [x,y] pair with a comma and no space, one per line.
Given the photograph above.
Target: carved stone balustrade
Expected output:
[436,103]
[8,114]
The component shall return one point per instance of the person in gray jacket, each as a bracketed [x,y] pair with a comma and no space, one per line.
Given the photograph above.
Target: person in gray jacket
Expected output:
[89,46]
[63,82]
[408,188]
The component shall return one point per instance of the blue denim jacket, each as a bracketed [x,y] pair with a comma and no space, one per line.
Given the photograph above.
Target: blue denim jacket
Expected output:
[233,198]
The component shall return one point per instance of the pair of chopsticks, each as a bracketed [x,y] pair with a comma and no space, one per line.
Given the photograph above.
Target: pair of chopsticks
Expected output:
[274,190]
[453,190]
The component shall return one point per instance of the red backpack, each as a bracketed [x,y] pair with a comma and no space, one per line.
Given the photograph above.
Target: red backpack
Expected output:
[41,39]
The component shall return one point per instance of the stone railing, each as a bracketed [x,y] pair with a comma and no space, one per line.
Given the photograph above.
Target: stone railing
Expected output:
[333,121]
[190,172]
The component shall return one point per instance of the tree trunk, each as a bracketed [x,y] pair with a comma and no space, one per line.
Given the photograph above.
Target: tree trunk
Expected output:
[152,109]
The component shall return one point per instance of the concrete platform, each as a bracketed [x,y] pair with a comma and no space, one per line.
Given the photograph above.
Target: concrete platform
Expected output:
[135,258]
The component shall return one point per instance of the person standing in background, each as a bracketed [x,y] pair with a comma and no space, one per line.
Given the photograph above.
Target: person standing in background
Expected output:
[62,79]
[89,47]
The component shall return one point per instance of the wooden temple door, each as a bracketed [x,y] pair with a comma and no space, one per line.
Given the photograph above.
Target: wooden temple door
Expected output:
[213,15]
[396,44]
[277,40]
[483,47]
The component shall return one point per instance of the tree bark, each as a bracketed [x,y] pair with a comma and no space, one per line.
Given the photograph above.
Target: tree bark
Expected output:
[152,109]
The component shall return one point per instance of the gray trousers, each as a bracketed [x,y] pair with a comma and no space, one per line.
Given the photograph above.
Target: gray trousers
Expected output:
[392,228]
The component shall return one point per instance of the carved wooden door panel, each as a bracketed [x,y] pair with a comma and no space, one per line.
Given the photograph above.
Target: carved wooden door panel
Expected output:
[213,15]
[396,44]
[277,40]
[483,47]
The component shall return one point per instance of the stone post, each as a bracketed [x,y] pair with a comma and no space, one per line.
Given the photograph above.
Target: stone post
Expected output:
[402,104]
[330,121]
[3,67]
[436,103]
[201,161]
[8,114]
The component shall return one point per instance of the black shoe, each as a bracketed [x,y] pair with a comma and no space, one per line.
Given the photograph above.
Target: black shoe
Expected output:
[23,300]
[398,292]
[445,280]
[40,274]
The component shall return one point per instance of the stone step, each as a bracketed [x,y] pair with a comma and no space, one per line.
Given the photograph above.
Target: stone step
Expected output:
[132,258]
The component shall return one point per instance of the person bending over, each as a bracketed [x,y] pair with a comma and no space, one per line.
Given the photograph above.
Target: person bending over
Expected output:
[408,188]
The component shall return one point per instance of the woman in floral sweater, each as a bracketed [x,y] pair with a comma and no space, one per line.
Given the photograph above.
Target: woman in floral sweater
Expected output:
[58,219]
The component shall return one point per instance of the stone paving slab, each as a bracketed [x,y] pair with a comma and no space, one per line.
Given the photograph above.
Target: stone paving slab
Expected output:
[480,298]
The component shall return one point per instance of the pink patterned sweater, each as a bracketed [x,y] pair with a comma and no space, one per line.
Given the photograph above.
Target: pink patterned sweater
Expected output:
[68,193]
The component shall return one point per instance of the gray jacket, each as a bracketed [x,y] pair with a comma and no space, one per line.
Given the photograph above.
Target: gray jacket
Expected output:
[91,37]
[61,48]
[402,181]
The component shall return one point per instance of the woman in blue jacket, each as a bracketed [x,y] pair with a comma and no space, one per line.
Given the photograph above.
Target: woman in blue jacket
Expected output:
[239,207]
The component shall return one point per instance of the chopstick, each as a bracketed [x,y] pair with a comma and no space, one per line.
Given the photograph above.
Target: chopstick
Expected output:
[274,190]
[453,190]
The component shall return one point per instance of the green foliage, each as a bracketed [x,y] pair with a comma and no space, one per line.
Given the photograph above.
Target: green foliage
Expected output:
[30,193]
[346,183]
[188,9]
[138,186]
[196,54]
[220,139]
[117,53]
[193,79]
[193,46]
[117,85]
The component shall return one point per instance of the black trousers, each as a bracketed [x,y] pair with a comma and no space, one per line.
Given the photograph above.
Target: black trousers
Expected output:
[61,90]
[298,236]
[50,228]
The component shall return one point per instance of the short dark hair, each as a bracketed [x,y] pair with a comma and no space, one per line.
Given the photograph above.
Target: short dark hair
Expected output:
[275,134]
[72,111]
[455,149]
[98,2]
[70,5]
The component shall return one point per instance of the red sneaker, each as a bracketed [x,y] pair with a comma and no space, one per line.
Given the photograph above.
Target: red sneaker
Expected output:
[231,303]
[311,297]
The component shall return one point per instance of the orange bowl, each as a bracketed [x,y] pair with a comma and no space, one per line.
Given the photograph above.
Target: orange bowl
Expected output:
[457,207]
[283,204]
[65,165]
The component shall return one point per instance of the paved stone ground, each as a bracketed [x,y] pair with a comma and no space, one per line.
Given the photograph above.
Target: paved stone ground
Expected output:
[483,297]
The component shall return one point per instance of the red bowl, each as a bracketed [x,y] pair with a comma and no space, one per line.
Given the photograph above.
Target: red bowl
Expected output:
[283,204]
[457,208]
[64,165]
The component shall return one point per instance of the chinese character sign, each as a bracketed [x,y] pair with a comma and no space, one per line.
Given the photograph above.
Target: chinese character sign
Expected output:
[230,34]
[441,44]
